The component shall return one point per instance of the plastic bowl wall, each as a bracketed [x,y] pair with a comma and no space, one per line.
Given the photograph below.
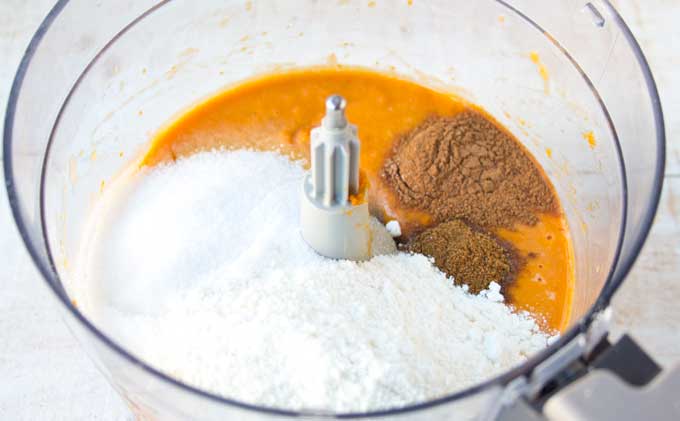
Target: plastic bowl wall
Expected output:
[100,77]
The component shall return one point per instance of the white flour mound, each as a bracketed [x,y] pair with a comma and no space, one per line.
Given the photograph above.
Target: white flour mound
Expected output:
[199,269]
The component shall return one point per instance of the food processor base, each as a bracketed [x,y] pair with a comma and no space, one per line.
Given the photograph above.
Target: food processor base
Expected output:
[615,382]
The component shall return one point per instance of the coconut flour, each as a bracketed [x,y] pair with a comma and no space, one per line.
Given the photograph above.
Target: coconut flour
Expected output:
[199,269]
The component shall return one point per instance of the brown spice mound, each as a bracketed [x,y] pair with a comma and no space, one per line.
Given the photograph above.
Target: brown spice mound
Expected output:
[471,256]
[466,167]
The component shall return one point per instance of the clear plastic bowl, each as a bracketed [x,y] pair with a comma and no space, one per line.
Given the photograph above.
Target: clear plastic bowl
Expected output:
[550,71]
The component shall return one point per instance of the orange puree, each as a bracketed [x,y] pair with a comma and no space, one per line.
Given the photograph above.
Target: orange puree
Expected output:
[544,285]
[276,112]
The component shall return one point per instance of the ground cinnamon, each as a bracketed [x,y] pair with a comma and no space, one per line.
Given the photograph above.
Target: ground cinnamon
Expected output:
[466,167]
[471,256]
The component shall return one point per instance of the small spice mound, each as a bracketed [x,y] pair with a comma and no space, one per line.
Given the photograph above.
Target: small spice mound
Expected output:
[471,256]
[466,167]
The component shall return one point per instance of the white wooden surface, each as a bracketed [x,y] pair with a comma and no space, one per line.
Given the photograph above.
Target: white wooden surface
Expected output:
[45,376]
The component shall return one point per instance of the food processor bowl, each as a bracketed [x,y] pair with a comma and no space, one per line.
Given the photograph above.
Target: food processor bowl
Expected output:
[566,77]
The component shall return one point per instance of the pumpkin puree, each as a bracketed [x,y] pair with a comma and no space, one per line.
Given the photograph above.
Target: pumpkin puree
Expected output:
[277,112]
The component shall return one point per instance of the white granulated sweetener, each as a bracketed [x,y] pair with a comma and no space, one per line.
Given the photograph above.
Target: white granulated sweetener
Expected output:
[199,269]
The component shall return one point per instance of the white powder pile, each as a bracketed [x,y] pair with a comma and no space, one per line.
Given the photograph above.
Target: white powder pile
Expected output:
[199,269]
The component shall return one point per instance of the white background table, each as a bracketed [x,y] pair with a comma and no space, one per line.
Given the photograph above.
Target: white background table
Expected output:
[44,375]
